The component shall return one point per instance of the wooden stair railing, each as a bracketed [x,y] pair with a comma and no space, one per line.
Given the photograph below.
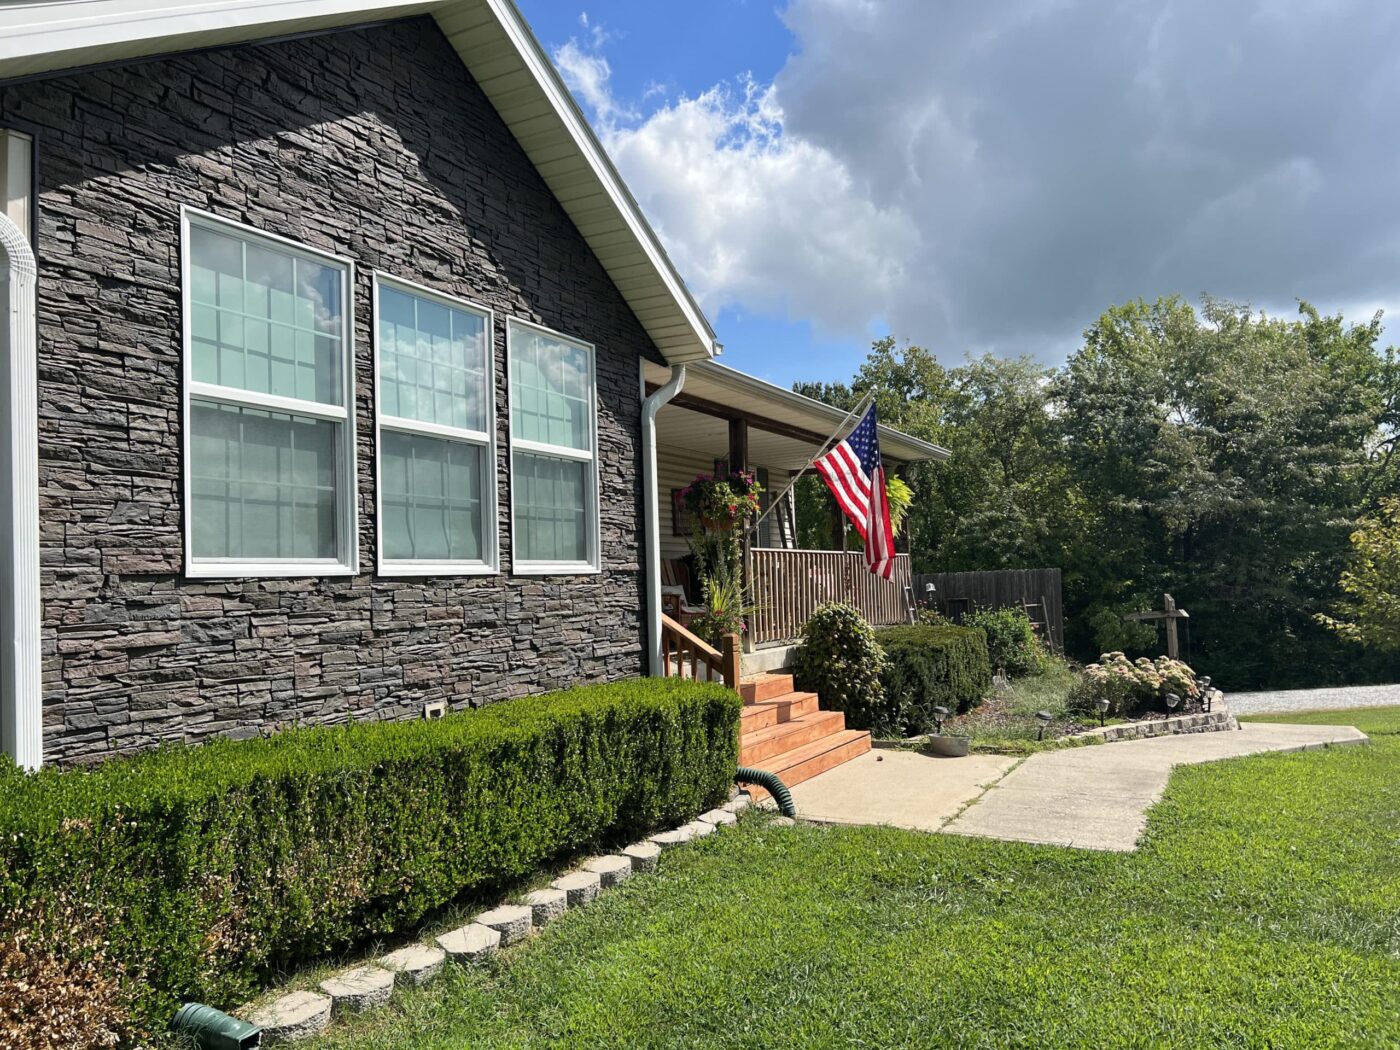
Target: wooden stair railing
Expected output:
[679,647]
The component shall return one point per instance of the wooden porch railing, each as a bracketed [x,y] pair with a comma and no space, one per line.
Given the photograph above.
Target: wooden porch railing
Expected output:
[789,585]
[685,655]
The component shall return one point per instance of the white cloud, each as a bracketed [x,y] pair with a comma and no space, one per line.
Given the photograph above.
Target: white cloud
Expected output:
[995,175]
[752,217]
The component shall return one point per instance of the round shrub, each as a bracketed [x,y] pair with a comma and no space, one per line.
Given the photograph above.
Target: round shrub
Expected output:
[840,660]
[1011,640]
[928,667]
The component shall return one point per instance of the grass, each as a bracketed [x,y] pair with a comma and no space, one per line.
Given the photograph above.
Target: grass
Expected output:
[1262,910]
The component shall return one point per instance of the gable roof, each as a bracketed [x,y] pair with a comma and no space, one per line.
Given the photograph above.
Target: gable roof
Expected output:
[497,47]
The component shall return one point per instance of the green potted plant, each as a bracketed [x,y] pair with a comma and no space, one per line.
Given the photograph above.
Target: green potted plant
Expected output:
[721,507]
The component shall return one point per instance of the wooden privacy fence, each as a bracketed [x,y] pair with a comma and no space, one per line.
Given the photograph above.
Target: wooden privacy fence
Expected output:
[788,585]
[959,593]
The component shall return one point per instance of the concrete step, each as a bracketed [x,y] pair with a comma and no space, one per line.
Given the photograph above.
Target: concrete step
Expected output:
[803,763]
[762,744]
[765,687]
[765,713]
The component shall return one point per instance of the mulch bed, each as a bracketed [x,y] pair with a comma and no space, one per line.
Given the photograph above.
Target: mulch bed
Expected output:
[997,717]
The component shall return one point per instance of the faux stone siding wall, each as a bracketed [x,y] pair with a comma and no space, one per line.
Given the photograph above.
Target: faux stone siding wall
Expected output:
[374,143]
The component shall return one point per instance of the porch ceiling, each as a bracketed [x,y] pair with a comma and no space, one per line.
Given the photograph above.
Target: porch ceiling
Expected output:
[707,436]
[723,388]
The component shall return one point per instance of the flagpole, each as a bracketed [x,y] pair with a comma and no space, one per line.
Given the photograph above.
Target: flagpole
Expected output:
[815,456]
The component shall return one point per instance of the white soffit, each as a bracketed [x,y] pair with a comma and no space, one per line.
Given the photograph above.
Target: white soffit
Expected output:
[496,46]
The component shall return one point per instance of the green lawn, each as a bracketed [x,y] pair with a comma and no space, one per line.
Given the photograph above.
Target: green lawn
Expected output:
[1263,909]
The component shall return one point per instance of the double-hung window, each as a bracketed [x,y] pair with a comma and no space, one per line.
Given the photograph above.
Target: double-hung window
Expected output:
[437,454]
[269,422]
[554,461]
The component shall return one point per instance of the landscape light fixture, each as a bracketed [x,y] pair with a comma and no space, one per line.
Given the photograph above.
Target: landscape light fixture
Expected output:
[1173,701]
[1102,705]
[1044,718]
[939,714]
[1204,684]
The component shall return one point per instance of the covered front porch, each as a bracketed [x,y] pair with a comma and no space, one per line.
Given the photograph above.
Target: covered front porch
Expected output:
[724,421]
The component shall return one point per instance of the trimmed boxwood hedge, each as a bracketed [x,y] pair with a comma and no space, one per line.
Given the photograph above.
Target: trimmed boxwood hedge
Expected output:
[210,868]
[929,666]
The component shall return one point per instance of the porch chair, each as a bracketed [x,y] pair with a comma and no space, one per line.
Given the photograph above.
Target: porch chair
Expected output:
[676,591]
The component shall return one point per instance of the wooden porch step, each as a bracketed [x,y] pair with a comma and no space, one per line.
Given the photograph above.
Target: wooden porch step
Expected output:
[767,713]
[762,744]
[761,687]
[803,763]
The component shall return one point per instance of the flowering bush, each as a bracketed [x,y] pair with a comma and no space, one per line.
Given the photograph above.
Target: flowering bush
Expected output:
[722,503]
[1131,686]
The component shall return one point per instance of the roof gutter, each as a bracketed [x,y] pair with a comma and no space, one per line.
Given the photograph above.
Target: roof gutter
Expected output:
[21,710]
[651,512]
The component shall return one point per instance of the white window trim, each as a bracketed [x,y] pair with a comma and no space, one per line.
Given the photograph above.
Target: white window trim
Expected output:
[593,510]
[347,518]
[490,536]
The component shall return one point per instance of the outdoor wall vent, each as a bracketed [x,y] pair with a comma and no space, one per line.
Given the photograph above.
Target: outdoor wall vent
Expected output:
[436,709]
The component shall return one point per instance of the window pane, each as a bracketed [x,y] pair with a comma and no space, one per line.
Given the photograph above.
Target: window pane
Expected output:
[431,498]
[264,319]
[552,389]
[432,361]
[262,484]
[551,498]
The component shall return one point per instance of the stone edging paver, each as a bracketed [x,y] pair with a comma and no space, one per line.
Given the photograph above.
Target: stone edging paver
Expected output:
[303,1014]
[1217,719]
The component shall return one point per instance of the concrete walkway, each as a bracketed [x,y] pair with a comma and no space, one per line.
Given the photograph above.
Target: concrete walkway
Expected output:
[1289,700]
[1093,797]
[903,788]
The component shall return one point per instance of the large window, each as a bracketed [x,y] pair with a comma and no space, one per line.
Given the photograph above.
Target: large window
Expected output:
[437,459]
[269,430]
[554,466]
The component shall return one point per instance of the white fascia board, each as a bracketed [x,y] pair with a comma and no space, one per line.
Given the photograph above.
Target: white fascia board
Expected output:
[587,144]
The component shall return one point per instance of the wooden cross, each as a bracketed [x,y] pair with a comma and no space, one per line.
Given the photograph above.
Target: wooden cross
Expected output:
[1170,613]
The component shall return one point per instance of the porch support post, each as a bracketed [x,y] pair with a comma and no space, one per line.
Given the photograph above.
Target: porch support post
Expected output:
[739,461]
[738,445]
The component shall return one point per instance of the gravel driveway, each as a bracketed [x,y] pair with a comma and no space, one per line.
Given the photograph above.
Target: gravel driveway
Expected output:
[1282,702]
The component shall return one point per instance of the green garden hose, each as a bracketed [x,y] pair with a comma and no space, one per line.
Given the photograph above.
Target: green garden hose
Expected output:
[215,1030]
[770,783]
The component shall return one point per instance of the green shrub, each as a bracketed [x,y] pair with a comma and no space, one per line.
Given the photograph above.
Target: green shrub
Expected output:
[929,667]
[1011,640]
[841,662]
[213,867]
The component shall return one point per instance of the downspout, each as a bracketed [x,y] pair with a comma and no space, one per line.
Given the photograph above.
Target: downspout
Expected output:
[21,701]
[651,514]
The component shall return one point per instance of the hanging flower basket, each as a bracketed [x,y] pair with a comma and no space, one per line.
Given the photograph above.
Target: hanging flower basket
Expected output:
[722,504]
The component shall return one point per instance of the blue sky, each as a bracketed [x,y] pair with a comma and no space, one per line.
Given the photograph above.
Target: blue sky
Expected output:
[981,177]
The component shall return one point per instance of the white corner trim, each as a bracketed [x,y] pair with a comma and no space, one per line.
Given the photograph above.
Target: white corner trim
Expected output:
[21,685]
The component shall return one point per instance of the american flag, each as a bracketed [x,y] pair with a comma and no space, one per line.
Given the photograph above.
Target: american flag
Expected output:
[856,476]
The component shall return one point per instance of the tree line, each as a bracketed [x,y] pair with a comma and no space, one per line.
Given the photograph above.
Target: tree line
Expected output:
[1218,453]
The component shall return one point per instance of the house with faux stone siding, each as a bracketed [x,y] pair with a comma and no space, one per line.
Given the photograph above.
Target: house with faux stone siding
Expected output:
[338,365]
